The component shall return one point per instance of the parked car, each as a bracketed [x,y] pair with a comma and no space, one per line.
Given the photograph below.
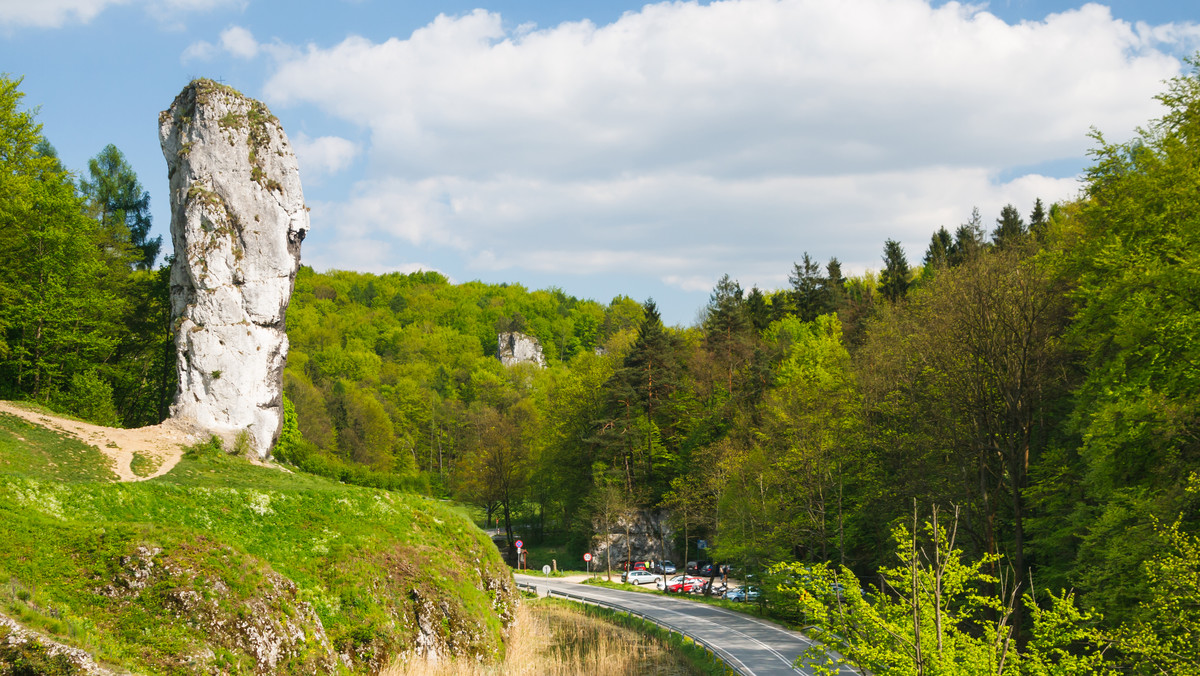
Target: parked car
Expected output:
[682,584]
[635,565]
[743,593]
[694,567]
[638,577]
[664,567]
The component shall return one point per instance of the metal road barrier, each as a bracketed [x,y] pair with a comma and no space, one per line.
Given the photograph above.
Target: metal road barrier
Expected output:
[731,663]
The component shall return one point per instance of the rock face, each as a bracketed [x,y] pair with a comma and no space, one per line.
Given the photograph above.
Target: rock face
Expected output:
[237,220]
[650,537]
[517,348]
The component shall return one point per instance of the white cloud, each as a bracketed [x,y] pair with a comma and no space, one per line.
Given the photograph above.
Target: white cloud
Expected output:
[51,13]
[239,42]
[325,155]
[199,51]
[726,137]
[57,13]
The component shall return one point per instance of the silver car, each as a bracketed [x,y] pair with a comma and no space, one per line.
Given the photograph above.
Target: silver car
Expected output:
[639,577]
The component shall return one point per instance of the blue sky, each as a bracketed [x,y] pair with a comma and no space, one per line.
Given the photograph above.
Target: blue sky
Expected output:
[615,148]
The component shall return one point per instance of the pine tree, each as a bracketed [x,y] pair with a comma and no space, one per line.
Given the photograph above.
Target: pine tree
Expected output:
[893,281]
[968,240]
[1037,220]
[1010,227]
[938,253]
[806,284]
[117,200]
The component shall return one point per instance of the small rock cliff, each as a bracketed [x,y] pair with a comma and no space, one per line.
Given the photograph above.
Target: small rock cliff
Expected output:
[237,220]
[514,347]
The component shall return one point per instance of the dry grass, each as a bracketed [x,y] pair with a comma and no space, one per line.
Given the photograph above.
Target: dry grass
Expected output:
[549,639]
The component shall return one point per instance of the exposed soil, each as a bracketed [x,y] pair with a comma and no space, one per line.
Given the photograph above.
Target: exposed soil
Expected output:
[161,444]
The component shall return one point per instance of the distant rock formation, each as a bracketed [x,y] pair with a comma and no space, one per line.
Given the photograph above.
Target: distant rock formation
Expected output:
[237,220]
[514,347]
[650,538]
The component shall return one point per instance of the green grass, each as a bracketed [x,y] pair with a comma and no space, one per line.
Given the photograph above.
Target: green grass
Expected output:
[232,544]
[35,452]
[144,465]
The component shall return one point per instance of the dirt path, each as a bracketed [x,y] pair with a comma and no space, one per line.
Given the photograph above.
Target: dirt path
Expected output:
[161,444]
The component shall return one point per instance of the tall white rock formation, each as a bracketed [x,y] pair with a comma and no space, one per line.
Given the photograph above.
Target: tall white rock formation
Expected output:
[514,347]
[237,220]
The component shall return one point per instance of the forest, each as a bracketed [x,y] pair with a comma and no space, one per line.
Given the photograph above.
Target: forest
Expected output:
[1015,415]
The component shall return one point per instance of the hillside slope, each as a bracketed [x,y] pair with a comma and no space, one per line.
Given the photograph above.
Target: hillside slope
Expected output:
[218,565]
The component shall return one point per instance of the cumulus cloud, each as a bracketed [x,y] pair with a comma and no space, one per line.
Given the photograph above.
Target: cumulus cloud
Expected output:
[239,42]
[734,135]
[325,155]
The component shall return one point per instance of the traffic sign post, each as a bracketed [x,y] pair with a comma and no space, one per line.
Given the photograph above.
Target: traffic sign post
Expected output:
[546,570]
[520,559]
[587,556]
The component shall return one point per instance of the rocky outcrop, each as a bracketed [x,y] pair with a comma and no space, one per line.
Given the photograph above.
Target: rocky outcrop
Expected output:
[650,537]
[25,651]
[514,347]
[265,619]
[237,220]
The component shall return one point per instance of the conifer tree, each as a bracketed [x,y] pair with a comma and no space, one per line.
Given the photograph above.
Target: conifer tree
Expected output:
[893,281]
[806,284]
[117,200]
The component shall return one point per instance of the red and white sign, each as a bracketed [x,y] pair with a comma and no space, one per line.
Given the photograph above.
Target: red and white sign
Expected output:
[587,557]
[520,544]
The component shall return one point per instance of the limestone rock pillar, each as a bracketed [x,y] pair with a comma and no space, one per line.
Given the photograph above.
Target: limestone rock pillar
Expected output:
[237,220]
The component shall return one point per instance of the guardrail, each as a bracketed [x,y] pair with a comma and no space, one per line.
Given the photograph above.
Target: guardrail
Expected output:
[731,663]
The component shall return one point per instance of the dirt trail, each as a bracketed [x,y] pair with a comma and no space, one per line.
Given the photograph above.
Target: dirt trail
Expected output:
[162,444]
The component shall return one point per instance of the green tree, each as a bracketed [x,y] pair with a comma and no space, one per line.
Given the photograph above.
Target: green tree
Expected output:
[833,287]
[117,200]
[807,284]
[727,328]
[497,460]
[938,253]
[1038,220]
[758,309]
[58,302]
[1134,247]
[1010,228]
[893,281]
[1164,636]
[635,414]
[968,240]
[930,618]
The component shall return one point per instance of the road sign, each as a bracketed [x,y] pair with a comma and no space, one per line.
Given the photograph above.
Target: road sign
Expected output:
[520,544]
[546,570]
[587,557]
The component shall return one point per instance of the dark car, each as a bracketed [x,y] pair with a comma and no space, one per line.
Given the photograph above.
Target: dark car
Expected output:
[695,567]
[664,567]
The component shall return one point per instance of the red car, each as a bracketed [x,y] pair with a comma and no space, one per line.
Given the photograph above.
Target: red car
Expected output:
[682,584]
[636,565]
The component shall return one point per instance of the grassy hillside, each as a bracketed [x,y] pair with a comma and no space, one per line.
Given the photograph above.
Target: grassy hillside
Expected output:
[221,565]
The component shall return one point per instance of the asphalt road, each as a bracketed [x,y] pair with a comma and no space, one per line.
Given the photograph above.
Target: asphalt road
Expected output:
[756,647]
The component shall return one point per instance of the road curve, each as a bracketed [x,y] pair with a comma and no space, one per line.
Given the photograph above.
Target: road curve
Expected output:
[756,647]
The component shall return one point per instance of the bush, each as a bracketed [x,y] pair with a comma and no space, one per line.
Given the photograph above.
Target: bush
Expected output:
[89,397]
